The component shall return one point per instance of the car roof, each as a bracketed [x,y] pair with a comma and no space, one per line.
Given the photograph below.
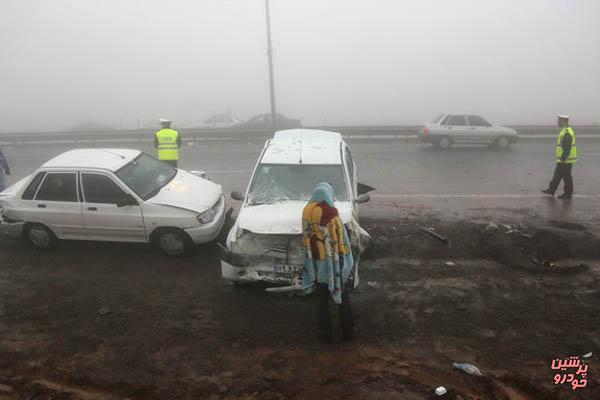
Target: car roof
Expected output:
[108,159]
[303,146]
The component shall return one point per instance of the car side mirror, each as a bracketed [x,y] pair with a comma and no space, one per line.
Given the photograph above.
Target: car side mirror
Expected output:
[237,195]
[362,198]
[362,188]
[128,200]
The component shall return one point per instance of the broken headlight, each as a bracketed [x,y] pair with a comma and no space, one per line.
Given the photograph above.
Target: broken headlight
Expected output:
[207,216]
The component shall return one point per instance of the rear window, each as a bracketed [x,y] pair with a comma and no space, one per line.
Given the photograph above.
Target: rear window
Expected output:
[58,187]
[32,188]
[437,119]
[476,120]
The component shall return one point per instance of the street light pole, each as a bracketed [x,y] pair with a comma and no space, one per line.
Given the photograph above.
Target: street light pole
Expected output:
[270,56]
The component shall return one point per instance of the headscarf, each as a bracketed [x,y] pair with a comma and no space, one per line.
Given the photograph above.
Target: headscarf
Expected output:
[327,254]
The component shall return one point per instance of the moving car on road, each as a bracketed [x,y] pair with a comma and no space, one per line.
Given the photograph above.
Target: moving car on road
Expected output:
[448,129]
[114,195]
[265,242]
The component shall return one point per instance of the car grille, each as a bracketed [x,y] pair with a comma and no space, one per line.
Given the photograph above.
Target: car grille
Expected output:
[285,247]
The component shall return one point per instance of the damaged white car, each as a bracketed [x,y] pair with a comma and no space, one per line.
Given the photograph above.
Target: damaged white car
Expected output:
[264,244]
[114,195]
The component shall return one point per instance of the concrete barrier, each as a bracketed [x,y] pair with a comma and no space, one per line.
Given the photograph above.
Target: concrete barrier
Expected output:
[371,133]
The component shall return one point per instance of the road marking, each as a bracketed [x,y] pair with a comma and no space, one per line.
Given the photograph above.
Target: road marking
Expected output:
[474,196]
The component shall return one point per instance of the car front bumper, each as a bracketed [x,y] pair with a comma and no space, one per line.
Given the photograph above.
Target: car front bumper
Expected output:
[9,227]
[242,268]
[209,232]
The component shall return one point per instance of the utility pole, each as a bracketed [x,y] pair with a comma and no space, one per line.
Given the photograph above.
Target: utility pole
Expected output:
[270,56]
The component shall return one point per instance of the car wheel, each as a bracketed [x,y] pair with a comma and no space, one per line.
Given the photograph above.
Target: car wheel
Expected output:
[503,143]
[39,236]
[444,142]
[173,242]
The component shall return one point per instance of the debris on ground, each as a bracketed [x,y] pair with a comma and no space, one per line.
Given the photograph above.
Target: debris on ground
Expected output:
[450,264]
[468,368]
[519,230]
[433,234]
[491,226]
[587,355]
[372,284]
[104,310]
[440,391]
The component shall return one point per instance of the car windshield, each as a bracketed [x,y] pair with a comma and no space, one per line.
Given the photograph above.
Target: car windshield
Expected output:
[287,182]
[146,175]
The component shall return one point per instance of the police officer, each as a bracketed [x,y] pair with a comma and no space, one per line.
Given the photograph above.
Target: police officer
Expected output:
[167,142]
[566,156]
[4,169]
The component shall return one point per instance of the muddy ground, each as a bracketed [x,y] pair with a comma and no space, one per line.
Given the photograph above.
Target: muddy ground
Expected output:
[100,320]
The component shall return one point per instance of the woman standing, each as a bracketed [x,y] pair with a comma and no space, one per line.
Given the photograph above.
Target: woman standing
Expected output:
[328,260]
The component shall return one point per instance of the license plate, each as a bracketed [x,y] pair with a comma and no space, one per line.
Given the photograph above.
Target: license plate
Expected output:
[283,268]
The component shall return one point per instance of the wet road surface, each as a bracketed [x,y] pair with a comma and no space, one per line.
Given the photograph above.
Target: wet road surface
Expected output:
[460,182]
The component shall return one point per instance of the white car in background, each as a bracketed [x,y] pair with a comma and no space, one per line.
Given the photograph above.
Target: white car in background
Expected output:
[448,129]
[114,195]
[264,244]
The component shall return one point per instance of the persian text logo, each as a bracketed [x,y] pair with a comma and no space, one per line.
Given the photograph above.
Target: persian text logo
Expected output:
[573,370]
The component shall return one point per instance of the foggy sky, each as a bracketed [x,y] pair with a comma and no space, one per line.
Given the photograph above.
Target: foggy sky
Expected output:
[340,62]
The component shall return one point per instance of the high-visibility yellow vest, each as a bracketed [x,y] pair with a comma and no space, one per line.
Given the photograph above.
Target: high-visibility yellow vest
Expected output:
[168,149]
[572,157]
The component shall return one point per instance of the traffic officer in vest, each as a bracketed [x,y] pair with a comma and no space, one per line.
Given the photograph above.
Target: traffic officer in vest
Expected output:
[566,156]
[167,142]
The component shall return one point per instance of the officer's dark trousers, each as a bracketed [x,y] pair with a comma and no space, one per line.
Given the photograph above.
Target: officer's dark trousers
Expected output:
[173,163]
[562,172]
[344,311]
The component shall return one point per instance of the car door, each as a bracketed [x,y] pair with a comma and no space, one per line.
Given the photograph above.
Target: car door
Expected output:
[456,127]
[480,130]
[104,219]
[56,205]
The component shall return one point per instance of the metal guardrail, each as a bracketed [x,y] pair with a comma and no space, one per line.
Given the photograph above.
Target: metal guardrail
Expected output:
[236,134]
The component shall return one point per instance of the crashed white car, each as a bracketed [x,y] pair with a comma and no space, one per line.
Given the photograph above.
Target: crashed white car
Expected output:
[114,195]
[265,242]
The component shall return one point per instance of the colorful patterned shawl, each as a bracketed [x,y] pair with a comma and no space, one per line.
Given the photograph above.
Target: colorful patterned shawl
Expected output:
[327,255]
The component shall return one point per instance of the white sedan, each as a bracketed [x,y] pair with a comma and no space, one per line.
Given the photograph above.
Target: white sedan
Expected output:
[114,195]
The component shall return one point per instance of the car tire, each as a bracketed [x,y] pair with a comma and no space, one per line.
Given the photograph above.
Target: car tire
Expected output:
[444,143]
[503,143]
[172,242]
[39,236]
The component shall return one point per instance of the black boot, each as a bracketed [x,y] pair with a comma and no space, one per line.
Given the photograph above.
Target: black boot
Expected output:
[565,196]
[548,191]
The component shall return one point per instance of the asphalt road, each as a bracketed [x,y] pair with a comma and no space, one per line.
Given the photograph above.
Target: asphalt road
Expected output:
[459,181]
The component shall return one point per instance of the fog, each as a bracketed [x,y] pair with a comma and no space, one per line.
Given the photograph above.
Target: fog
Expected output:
[126,63]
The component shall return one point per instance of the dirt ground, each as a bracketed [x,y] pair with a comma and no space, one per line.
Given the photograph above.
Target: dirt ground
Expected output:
[101,320]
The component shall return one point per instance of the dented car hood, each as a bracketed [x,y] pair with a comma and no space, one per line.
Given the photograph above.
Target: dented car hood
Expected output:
[282,218]
[188,191]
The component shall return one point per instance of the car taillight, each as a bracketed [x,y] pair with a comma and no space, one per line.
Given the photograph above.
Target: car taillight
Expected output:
[425,131]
